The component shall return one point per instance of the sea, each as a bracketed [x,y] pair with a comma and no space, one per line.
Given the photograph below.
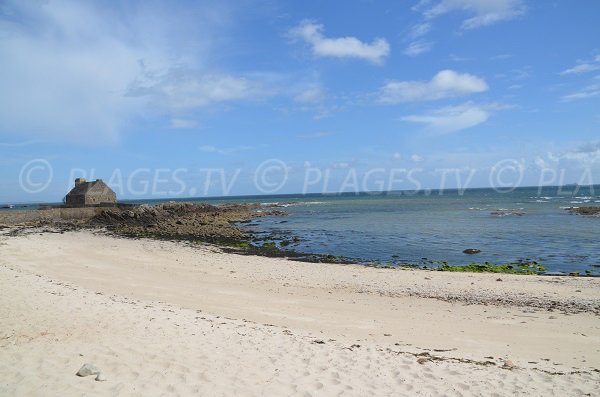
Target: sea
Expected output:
[415,228]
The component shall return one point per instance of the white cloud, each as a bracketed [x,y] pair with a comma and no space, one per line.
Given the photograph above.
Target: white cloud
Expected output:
[486,12]
[79,72]
[312,95]
[418,30]
[416,158]
[180,90]
[583,66]
[417,48]
[445,84]
[342,47]
[590,91]
[184,124]
[314,99]
[587,155]
[452,118]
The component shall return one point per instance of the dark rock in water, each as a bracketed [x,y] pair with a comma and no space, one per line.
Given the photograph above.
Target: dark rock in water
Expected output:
[471,251]
[585,210]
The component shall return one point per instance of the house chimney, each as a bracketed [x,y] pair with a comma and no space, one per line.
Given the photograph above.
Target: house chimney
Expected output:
[79,181]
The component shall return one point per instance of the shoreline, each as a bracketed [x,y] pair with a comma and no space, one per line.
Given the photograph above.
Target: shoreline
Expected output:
[226,226]
[125,303]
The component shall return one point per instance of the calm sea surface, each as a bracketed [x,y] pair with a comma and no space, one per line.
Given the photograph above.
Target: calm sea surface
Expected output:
[404,227]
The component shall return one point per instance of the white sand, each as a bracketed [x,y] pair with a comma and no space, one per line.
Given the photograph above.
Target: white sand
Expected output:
[237,325]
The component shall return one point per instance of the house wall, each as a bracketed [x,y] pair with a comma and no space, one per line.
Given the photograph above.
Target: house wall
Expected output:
[96,195]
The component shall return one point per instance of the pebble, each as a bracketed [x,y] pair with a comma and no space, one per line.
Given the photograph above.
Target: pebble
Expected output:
[508,364]
[87,370]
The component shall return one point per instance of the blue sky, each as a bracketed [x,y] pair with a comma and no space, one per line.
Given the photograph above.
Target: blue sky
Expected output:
[208,97]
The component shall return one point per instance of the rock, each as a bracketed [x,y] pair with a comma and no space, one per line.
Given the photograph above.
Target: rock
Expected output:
[87,370]
[498,279]
[100,377]
[471,251]
[422,360]
[508,364]
[584,210]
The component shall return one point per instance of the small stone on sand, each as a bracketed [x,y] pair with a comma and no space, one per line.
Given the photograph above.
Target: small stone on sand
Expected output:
[87,370]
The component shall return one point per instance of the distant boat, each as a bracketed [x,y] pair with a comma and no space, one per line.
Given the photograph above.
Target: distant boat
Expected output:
[9,206]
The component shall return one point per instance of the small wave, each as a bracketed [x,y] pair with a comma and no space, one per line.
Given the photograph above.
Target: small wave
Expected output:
[285,205]
[576,202]
[542,201]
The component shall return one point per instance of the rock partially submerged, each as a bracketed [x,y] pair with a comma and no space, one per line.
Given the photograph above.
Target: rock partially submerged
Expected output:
[471,251]
[590,211]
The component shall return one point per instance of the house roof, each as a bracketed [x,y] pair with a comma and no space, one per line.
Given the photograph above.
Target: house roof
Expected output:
[83,188]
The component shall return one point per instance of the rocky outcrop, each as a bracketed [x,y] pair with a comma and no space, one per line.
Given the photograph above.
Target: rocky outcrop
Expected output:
[190,221]
[180,221]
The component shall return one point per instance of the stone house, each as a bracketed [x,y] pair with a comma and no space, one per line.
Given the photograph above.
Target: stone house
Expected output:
[96,193]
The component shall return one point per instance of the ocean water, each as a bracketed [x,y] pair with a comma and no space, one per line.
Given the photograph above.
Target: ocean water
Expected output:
[525,224]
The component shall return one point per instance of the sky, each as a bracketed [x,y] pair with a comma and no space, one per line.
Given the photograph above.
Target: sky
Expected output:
[211,98]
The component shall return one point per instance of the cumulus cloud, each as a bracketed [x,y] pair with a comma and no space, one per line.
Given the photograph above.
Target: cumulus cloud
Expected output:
[341,47]
[452,118]
[445,84]
[485,12]
[584,66]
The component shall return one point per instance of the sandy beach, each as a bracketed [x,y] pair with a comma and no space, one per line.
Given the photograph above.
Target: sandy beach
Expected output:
[167,318]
